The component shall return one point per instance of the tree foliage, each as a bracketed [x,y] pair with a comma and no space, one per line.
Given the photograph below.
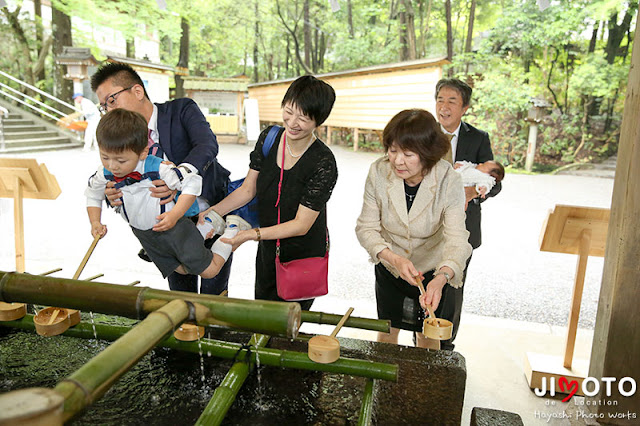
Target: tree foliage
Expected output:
[574,54]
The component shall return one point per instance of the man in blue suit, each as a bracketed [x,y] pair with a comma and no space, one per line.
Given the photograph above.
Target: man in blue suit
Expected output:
[453,97]
[178,132]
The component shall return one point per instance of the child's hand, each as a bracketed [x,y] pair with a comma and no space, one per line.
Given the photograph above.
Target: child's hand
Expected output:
[482,190]
[166,221]
[457,165]
[98,229]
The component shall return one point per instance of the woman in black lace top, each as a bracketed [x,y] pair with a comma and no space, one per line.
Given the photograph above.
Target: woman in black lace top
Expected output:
[310,174]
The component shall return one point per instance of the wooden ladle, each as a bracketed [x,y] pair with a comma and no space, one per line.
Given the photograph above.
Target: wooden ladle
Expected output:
[326,349]
[432,327]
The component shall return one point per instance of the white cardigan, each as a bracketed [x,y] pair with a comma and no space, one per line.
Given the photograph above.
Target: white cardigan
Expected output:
[431,235]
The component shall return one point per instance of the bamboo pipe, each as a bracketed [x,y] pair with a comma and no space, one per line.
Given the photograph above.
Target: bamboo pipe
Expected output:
[230,350]
[225,395]
[95,378]
[274,318]
[366,409]
[353,322]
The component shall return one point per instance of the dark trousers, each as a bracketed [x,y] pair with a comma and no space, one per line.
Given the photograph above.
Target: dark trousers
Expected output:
[215,285]
[451,307]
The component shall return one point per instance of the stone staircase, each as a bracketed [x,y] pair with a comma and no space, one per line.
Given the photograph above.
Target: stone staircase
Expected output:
[26,132]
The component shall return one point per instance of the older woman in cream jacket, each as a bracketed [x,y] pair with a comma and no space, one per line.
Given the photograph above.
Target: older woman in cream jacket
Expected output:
[413,223]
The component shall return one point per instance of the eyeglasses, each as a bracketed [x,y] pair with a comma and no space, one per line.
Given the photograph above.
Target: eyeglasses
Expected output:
[111,100]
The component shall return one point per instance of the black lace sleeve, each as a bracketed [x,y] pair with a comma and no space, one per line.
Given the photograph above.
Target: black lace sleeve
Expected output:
[321,183]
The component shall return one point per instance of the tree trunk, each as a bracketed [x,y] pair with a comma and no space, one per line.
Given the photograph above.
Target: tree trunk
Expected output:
[255,42]
[447,8]
[296,44]
[306,29]
[182,68]
[472,16]
[618,32]
[594,39]
[61,24]
[424,28]
[131,48]
[37,8]
[350,19]
[410,29]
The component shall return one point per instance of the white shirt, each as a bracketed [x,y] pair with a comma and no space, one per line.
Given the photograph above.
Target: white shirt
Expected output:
[139,208]
[454,139]
[155,136]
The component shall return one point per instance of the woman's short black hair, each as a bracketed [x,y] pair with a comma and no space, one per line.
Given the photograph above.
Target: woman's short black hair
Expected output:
[122,130]
[416,130]
[314,97]
[121,74]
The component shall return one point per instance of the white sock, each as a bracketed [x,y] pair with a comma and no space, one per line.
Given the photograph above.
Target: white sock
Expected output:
[224,249]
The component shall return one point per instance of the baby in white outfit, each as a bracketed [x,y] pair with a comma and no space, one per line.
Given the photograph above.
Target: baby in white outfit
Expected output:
[483,176]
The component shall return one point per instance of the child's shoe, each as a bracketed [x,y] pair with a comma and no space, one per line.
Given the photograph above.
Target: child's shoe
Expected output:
[236,221]
[212,220]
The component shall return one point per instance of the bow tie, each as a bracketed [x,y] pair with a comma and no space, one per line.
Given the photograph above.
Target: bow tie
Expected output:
[135,176]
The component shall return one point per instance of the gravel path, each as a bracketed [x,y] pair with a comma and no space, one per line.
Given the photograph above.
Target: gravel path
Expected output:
[508,278]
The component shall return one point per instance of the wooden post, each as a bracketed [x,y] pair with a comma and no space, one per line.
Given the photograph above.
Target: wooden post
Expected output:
[576,298]
[20,179]
[18,220]
[356,136]
[329,130]
[616,339]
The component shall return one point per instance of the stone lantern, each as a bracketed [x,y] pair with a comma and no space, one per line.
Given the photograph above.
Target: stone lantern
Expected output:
[77,60]
[537,111]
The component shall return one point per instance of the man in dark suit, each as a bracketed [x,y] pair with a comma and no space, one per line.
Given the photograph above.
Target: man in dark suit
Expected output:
[178,132]
[467,143]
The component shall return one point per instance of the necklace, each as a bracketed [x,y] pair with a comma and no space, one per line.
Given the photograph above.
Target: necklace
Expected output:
[313,138]
[411,197]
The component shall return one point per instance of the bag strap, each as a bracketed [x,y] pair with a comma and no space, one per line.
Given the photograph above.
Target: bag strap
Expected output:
[269,140]
[284,146]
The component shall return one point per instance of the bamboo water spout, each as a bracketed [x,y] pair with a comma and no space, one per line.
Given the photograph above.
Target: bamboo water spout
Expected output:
[273,318]
[93,379]
[225,394]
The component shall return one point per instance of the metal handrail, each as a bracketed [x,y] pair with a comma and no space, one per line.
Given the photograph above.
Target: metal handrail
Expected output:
[42,110]
[35,89]
[29,105]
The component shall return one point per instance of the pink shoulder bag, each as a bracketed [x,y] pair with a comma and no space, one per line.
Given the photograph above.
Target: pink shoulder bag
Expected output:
[300,279]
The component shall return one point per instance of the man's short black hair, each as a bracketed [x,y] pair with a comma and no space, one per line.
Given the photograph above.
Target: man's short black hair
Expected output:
[314,97]
[121,74]
[460,86]
[122,130]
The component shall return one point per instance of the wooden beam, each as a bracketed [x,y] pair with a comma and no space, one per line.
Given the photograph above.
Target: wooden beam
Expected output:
[356,137]
[616,340]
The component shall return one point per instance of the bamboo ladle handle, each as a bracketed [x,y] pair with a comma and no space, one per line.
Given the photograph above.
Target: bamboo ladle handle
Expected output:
[86,257]
[422,291]
[53,317]
[341,323]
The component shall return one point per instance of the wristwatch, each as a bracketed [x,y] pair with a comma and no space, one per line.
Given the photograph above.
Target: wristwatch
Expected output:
[446,275]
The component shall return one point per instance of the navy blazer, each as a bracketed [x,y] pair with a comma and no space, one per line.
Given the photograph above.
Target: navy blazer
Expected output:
[474,146]
[186,137]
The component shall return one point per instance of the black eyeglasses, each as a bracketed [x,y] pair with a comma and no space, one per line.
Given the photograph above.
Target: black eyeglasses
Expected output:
[110,102]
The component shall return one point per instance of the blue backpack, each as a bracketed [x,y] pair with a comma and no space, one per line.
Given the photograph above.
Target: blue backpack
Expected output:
[249,211]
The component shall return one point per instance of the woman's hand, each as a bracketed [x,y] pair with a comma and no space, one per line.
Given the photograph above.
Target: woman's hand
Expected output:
[433,292]
[240,238]
[407,270]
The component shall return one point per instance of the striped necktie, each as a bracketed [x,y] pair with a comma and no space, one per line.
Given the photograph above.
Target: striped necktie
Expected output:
[154,148]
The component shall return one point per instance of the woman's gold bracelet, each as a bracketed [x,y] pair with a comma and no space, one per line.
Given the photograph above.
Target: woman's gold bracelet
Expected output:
[258,236]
